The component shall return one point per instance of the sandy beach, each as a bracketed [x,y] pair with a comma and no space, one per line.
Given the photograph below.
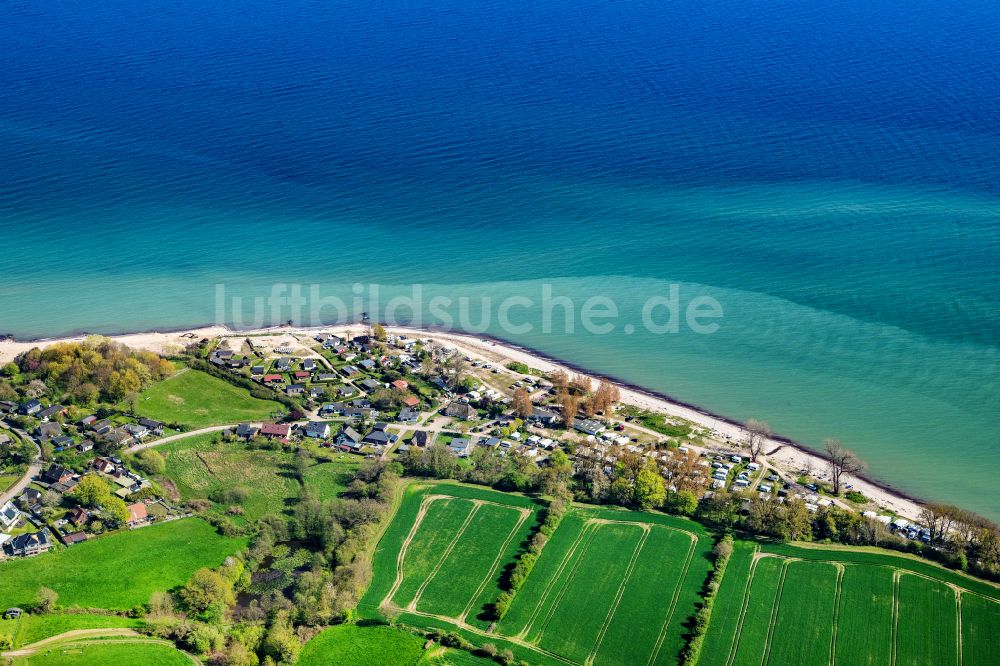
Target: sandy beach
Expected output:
[781,453]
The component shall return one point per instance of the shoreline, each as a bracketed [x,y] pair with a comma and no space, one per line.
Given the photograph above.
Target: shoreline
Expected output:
[780,451]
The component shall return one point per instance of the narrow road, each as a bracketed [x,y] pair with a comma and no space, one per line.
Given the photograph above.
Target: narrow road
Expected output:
[69,635]
[183,435]
[34,469]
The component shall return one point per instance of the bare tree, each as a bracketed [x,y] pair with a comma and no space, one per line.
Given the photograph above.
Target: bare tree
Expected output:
[570,405]
[842,461]
[757,433]
[522,403]
[606,396]
[580,384]
[560,380]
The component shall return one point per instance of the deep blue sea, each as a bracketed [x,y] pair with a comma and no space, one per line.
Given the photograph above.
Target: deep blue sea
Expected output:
[829,173]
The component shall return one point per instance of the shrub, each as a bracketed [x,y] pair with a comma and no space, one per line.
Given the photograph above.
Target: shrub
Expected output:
[722,551]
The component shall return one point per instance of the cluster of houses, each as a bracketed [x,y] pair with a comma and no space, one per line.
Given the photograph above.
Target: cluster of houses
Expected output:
[316,378]
[25,516]
[85,434]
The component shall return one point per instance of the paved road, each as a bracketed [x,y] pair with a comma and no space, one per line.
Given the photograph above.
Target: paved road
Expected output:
[34,469]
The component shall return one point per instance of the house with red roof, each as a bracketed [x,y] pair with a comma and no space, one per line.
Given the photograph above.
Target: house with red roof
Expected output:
[137,514]
[275,430]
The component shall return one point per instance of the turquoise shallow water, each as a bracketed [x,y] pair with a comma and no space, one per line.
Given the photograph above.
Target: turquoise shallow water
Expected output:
[827,175]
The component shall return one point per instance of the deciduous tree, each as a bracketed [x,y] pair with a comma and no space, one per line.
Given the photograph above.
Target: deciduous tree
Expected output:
[522,403]
[757,433]
[842,461]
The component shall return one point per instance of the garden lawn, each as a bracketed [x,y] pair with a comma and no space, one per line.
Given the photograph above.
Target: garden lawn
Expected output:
[101,653]
[120,570]
[197,399]
[7,480]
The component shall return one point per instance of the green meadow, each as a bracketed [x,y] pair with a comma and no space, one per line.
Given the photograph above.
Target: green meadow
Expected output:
[134,652]
[197,399]
[120,570]
[350,645]
[204,467]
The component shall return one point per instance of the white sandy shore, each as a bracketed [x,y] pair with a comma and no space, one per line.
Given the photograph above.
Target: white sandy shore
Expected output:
[787,457]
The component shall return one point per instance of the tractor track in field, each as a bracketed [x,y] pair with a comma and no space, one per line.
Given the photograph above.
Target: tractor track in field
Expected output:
[485,634]
[584,532]
[738,634]
[674,599]
[569,581]
[496,563]
[958,625]
[836,613]
[646,529]
[896,575]
[417,520]
[766,657]
[444,556]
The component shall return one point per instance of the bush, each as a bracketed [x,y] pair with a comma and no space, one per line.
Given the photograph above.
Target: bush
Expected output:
[45,601]
[722,551]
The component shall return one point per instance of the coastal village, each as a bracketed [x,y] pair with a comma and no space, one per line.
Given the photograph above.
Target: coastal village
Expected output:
[232,498]
[373,394]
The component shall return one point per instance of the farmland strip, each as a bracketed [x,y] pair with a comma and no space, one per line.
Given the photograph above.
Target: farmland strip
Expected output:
[674,599]
[618,595]
[451,546]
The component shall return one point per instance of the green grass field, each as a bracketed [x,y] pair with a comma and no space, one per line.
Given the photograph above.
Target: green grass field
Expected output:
[328,480]
[611,587]
[350,645]
[118,571]
[197,399]
[199,468]
[782,604]
[137,652]
[38,627]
